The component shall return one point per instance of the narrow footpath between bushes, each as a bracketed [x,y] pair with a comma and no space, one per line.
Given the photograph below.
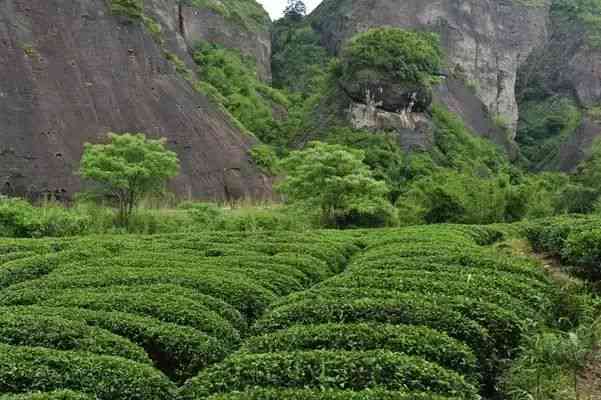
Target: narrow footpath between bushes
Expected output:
[589,380]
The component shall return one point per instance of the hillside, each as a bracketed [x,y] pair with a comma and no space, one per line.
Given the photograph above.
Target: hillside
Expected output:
[520,74]
[418,313]
[75,70]
[513,55]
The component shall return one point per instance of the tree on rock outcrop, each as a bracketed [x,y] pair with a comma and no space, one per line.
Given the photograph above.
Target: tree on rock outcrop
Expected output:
[296,10]
[394,67]
[129,167]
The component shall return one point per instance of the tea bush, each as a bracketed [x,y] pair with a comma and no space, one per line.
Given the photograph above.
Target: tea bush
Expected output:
[29,329]
[308,394]
[420,313]
[34,368]
[328,369]
[407,339]
[56,395]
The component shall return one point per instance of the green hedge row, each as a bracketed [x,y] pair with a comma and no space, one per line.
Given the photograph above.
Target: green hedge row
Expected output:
[23,328]
[354,370]
[470,234]
[576,239]
[280,279]
[350,307]
[245,294]
[24,369]
[305,268]
[326,394]
[166,308]
[24,269]
[523,299]
[549,235]
[417,265]
[479,259]
[584,249]
[17,255]
[34,295]
[408,339]
[179,351]
[56,395]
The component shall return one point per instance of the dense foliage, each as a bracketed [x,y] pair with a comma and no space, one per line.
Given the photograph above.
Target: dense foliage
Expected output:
[247,13]
[231,80]
[406,56]
[127,168]
[334,180]
[298,59]
[543,126]
[585,14]
[420,313]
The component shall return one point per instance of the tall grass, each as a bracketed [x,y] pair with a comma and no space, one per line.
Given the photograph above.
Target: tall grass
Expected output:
[21,219]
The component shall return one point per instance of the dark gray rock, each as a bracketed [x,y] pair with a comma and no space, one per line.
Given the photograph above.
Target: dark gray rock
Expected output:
[485,40]
[71,72]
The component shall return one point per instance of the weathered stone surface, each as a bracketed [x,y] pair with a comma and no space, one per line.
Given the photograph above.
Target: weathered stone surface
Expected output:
[414,130]
[486,41]
[565,65]
[203,24]
[462,101]
[389,95]
[576,148]
[71,72]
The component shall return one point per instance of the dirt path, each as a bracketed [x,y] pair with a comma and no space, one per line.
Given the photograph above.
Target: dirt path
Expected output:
[589,381]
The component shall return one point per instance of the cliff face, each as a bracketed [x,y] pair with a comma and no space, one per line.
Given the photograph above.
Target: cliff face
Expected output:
[205,24]
[71,72]
[485,41]
[567,65]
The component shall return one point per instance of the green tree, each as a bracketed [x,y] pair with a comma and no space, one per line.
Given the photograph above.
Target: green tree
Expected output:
[589,171]
[129,167]
[334,180]
[404,55]
[296,10]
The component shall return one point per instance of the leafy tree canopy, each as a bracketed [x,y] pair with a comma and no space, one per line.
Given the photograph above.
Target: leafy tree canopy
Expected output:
[403,55]
[333,179]
[295,10]
[128,167]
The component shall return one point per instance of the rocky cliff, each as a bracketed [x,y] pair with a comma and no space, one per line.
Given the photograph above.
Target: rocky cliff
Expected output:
[485,41]
[568,66]
[495,49]
[249,33]
[73,71]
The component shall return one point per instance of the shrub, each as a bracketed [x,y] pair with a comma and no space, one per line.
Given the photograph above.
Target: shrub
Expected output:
[20,219]
[328,369]
[178,351]
[499,288]
[166,308]
[584,249]
[331,394]
[133,9]
[407,339]
[57,395]
[28,268]
[406,56]
[345,306]
[28,329]
[242,292]
[109,378]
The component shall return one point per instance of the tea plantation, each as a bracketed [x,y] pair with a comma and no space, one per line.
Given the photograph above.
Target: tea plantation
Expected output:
[430,312]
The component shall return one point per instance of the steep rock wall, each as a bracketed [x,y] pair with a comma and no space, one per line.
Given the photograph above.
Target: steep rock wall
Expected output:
[71,72]
[485,41]
[204,24]
[566,65]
